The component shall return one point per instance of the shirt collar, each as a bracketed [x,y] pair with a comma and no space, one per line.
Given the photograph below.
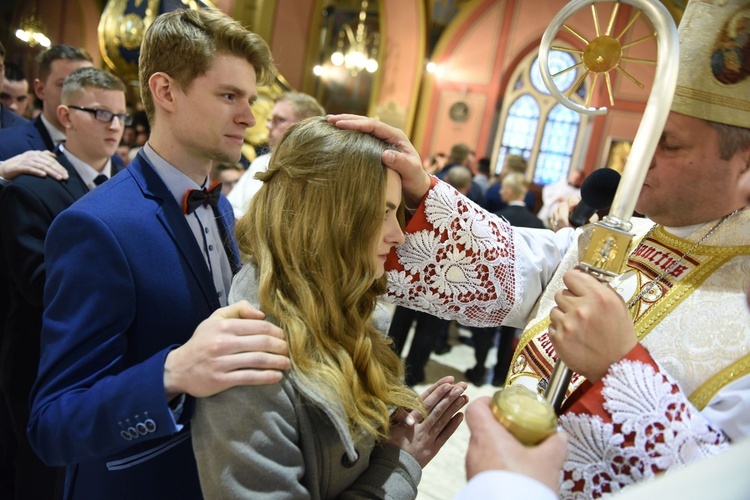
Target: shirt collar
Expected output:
[86,171]
[177,182]
[54,133]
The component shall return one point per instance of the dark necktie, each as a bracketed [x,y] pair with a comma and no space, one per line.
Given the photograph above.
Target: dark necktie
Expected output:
[100,179]
[197,197]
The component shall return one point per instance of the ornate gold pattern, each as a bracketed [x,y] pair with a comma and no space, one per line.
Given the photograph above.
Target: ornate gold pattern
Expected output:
[703,394]
[130,31]
[711,98]
[705,261]
[120,30]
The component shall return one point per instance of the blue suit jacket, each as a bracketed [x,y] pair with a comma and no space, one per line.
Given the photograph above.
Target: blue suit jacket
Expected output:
[31,136]
[126,283]
[9,119]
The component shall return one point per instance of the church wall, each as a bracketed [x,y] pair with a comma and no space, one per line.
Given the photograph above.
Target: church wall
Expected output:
[511,28]
[475,55]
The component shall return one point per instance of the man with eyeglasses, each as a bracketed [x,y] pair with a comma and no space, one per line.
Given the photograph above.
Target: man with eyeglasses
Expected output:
[288,109]
[93,115]
[29,149]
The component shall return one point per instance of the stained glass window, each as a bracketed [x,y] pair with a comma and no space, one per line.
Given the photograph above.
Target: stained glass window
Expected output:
[535,125]
[558,61]
[557,146]
[520,130]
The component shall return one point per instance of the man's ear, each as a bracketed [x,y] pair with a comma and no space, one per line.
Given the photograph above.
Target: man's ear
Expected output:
[162,88]
[39,89]
[63,114]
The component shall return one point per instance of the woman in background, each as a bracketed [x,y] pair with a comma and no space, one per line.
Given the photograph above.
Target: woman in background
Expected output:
[317,235]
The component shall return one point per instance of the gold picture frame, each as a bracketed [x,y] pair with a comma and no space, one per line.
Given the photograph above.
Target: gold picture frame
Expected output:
[617,152]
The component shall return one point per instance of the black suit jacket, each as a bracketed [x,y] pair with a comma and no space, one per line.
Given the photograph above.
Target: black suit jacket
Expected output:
[29,204]
[520,217]
[8,119]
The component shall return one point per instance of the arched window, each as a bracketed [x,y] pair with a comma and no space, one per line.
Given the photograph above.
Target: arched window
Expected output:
[557,146]
[520,130]
[534,125]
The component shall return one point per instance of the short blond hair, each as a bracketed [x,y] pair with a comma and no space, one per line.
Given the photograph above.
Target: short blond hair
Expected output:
[90,77]
[515,163]
[182,43]
[517,183]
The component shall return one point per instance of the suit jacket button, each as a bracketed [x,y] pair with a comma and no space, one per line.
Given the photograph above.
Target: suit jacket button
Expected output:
[141,428]
[125,435]
[150,425]
[133,433]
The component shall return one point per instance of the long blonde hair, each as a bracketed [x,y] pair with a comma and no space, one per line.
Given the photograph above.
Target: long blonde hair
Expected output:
[311,232]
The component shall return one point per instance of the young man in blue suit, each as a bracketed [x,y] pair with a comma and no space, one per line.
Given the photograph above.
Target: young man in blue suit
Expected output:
[135,323]
[93,114]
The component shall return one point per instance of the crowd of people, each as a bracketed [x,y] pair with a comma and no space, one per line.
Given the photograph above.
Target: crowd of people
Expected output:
[152,348]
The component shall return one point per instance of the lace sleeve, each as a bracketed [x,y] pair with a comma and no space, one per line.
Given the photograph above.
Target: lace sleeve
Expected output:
[457,261]
[461,262]
[645,425]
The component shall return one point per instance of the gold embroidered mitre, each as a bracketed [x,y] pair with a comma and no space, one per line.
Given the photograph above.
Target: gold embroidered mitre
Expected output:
[714,78]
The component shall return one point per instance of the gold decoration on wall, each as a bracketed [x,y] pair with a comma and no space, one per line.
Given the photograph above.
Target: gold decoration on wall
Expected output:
[121,30]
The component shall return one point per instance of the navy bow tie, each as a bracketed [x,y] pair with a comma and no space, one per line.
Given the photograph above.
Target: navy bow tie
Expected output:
[197,197]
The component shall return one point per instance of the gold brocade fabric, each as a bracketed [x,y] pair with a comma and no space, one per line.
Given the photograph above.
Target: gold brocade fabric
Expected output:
[694,321]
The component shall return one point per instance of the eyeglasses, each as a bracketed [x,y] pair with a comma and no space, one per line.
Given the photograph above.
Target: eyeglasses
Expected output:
[104,116]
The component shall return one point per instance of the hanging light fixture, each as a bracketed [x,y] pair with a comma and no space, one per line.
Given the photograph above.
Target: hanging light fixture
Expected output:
[357,50]
[31,30]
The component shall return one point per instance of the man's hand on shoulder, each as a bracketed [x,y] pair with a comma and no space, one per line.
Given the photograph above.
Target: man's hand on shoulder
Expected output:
[234,346]
[38,163]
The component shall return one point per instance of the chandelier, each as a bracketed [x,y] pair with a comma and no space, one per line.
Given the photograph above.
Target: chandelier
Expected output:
[31,30]
[357,50]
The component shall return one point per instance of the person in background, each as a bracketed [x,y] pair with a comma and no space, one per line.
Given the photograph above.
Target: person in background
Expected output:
[513,193]
[8,445]
[288,109]
[462,156]
[554,194]
[435,163]
[8,116]
[482,177]
[492,199]
[14,92]
[327,429]
[29,149]
[93,114]
[125,355]
[123,152]
[228,174]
